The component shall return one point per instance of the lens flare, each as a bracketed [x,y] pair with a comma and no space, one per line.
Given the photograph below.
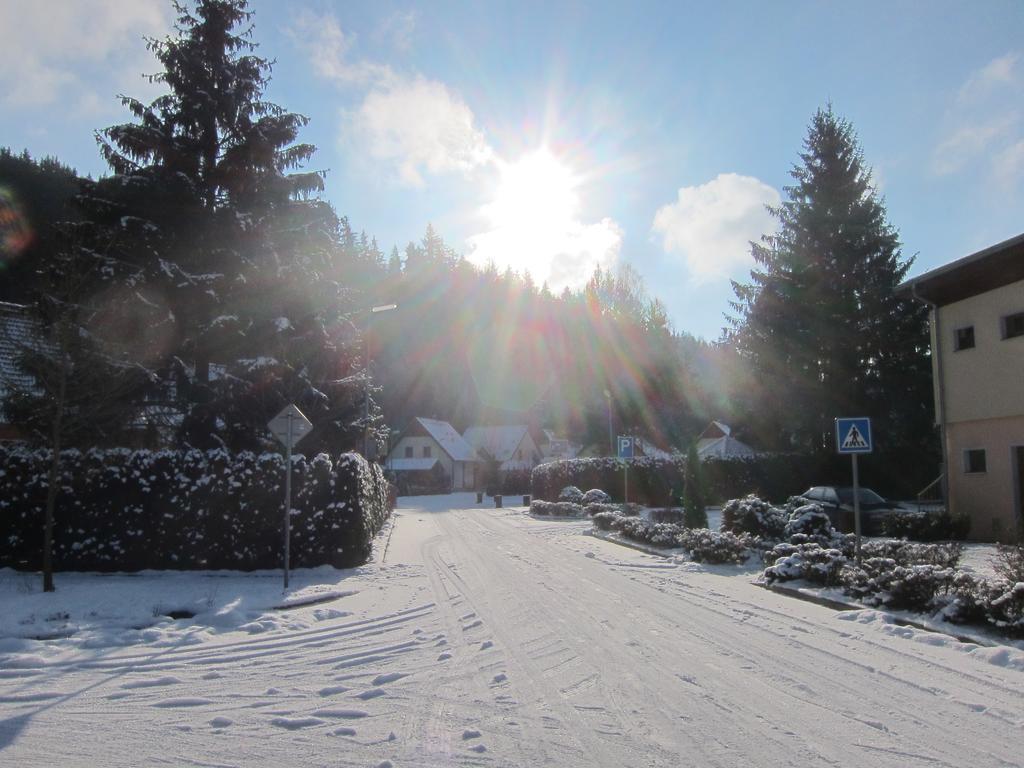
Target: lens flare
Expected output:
[15,231]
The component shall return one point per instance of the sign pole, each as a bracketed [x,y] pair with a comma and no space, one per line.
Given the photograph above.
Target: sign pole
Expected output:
[856,504]
[288,499]
[625,479]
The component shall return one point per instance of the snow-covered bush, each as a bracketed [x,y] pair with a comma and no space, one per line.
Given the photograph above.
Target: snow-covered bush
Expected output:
[593,509]
[912,553]
[596,496]
[1004,605]
[754,516]
[125,510]
[605,521]
[880,581]
[571,494]
[675,516]
[556,509]
[706,546]
[811,521]
[809,562]
[926,526]
[1008,562]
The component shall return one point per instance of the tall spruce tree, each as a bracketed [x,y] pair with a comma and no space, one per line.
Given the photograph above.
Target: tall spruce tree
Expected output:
[227,259]
[819,322]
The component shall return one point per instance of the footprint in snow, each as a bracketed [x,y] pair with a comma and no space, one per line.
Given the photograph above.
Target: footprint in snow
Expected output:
[344,731]
[444,656]
[385,764]
[469,615]
[373,693]
[153,683]
[212,676]
[295,723]
[486,644]
[501,677]
[390,677]
[182,702]
[333,689]
[468,734]
[480,748]
[471,625]
[221,722]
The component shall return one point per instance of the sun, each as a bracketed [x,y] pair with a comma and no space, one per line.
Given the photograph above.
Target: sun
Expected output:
[536,195]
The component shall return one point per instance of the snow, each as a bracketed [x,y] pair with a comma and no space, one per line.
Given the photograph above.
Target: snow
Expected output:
[451,441]
[485,634]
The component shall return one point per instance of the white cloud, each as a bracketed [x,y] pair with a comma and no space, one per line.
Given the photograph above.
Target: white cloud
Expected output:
[711,225]
[983,125]
[398,29]
[998,72]
[419,126]
[969,140]
[328,48]
[48,48]
[1008,164]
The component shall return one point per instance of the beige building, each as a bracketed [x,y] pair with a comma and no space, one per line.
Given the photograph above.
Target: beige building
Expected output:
[427,443]
[977,324]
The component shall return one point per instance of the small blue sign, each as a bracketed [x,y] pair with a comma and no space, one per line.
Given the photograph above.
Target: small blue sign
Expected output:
[625,447]
[854,435]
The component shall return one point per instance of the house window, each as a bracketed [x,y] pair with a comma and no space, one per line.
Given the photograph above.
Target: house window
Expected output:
[964,338]
[426,451]
[974,461]
[1013,325]
[408,451]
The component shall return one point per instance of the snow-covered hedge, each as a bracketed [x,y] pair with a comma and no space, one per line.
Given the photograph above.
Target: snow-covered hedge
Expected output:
[556,509]
[809,562]
[927,526]
[656,481]
[571,494]
[703,545]
[596,496]
[754,516]
[123,510]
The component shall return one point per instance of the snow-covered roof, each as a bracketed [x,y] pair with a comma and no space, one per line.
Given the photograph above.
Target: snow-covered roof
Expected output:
[499,442]
[715,429]
[411,465]
[723,447]
[451,442]
[650,449]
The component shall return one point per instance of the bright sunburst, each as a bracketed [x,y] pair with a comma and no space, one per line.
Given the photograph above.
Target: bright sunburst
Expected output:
[535,223]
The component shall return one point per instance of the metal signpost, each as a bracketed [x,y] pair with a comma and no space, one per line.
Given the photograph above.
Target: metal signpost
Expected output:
[626,450]
[289,426]
[853,436]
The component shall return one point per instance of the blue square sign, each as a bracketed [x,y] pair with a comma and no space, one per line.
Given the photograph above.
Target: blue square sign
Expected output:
[853,435]
[625,447]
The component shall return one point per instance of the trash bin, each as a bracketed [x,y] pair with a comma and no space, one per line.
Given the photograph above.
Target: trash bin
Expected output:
[527,499]
[479,497]
[497,500]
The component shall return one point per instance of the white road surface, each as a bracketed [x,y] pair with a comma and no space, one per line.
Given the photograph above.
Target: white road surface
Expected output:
[485,637]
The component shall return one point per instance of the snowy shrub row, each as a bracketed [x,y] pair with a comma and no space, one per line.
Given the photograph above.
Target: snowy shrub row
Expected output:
[703,545]
[927,526]
[556,509]
[658,481]
[571,494]
[123,510]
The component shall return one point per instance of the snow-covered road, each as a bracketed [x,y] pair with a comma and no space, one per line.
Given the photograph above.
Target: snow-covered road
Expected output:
[489,638]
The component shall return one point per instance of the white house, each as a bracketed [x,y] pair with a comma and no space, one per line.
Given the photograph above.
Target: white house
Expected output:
[428,442]
[512,446]
[717,442]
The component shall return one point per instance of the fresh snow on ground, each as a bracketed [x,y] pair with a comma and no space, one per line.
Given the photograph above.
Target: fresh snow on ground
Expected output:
[482,636]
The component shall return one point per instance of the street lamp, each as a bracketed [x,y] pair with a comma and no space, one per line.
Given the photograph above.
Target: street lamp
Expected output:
[366,385]
[611,438]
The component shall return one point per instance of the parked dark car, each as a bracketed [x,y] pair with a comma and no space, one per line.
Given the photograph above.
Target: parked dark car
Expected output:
[837,501]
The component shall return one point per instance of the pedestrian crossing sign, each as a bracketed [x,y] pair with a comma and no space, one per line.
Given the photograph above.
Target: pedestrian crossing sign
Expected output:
[854,435]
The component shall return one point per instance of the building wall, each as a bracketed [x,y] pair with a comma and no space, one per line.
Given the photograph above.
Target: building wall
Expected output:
[462,473]
[986,381]
[992,498]
[418,443]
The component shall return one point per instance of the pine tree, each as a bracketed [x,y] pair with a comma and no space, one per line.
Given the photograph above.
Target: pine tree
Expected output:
[819,323]
[694,499]
[229,261]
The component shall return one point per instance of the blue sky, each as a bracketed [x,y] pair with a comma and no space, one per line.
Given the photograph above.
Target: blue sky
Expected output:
[556,136]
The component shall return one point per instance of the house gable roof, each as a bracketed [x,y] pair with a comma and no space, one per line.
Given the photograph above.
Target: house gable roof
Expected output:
[499,442]
[444,434]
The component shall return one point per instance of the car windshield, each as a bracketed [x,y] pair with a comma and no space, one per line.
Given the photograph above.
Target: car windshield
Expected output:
[867,496]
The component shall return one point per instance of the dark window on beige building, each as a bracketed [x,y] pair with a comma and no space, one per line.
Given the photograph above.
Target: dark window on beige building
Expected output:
[964,338]
[1013,325]
[974,460]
